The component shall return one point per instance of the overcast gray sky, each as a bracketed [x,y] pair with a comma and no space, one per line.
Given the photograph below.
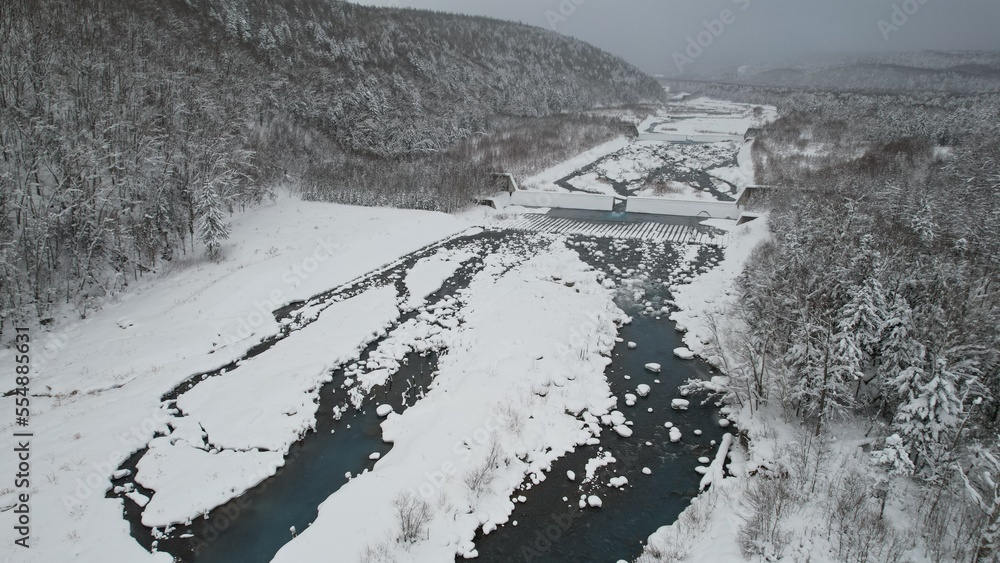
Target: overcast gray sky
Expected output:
[653,33]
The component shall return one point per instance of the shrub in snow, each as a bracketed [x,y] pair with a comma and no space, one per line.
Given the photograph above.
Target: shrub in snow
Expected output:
[412,515]
[378,553]
[479,478]
[766,503]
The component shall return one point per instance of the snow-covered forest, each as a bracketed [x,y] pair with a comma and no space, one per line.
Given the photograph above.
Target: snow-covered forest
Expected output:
[131,130]
[874,311]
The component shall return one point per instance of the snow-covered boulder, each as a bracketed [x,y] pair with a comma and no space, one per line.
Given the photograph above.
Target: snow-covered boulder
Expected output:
[680,404]
[684,353]
[623,431]
[383,410]
[655,368]
[643,390]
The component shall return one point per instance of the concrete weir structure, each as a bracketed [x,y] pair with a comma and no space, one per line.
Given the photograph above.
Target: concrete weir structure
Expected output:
[598,202]
[590,202]
[683,207]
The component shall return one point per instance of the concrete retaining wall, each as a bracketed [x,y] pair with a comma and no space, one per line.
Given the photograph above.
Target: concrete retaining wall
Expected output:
[594,202]
[683,207]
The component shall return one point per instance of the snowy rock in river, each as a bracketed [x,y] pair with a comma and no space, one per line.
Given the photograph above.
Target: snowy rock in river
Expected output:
[680,404]
[675,434]
[632,345]
[623,431]
[655,368]
[642,390]
[571,476]
[383,410]
[683,353]
[594,501]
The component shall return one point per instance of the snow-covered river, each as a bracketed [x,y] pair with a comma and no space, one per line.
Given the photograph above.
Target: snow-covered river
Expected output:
[660,475]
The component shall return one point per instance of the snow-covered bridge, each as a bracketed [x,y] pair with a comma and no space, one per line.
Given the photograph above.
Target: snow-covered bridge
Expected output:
[651,231]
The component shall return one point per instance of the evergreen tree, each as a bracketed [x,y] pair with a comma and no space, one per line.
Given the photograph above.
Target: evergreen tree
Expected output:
[213,228]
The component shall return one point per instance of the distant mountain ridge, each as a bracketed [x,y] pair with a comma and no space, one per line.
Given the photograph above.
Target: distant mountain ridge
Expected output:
[925,71]
[407,80]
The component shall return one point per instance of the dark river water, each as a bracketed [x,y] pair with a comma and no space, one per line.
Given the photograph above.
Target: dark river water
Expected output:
[252,528]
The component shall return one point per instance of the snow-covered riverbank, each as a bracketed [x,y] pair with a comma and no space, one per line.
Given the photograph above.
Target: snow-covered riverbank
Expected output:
[97,387]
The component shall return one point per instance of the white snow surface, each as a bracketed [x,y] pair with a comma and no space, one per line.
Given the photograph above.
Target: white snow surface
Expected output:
[270,401]
[427,275]
[189,481]
[513,350]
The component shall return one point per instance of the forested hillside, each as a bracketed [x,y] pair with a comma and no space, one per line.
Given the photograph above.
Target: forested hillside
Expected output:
[131,128]
[876,303]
